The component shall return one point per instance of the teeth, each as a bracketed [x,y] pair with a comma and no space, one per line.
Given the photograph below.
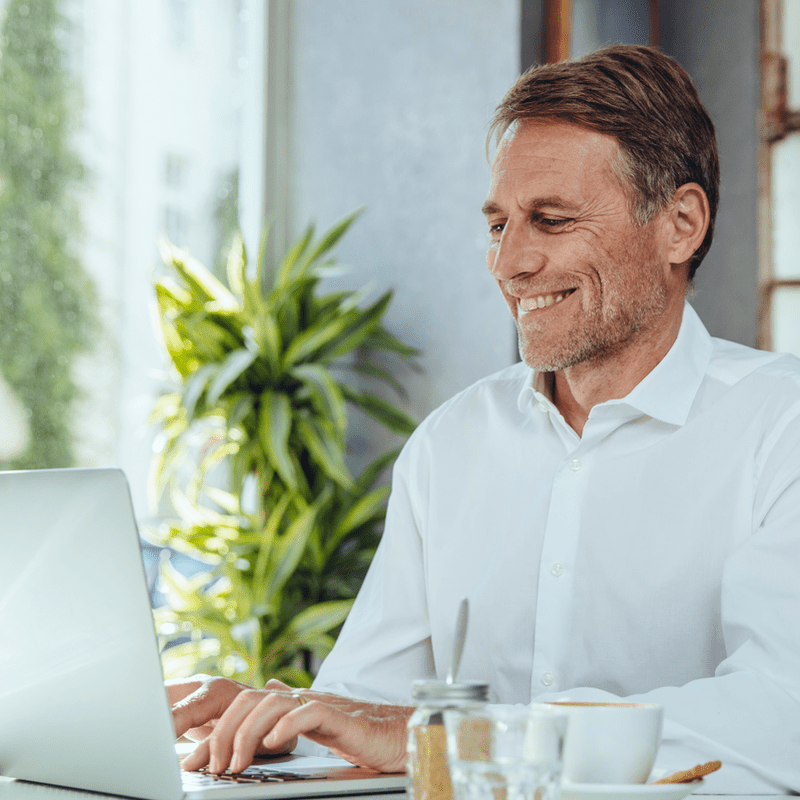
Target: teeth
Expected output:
[541,301]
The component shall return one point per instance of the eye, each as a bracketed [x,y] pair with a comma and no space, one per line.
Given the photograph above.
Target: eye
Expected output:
[496,229]
[552,223]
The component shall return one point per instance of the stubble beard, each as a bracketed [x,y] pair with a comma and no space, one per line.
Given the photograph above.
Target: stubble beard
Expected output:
[606,327]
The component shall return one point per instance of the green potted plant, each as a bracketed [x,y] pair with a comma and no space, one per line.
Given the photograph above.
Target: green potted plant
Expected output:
[252,456]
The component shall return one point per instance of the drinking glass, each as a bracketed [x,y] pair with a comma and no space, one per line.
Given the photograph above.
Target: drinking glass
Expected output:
[506,753]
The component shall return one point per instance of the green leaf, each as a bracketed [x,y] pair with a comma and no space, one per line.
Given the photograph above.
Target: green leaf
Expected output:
[227,500]
[330,239]
[366,508]
[183,660]
[274,427]
[241,406]
[325,449]
[305,344]
[371,473]
[388,414]
[195,386]
[212,458]
[381,339]
[319,619]
[328,398]
[293,676]
[267,539]
[291,258]
[235,363]
[202,283]
[268,336]
[367,321]
[287,552]
[372,370]
[170,296]
[236,265]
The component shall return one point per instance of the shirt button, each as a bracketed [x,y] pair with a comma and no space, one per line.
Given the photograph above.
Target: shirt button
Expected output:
[543,407]
[575,464]
[557,570]
[548,679]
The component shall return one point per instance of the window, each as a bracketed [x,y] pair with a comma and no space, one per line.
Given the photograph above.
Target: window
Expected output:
[161,106]
[780,166]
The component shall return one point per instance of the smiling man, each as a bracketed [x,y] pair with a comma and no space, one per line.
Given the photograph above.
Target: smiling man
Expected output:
[621,508]
[597,297]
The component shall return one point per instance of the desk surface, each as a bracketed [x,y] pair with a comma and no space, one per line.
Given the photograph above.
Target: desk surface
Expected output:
[15,790]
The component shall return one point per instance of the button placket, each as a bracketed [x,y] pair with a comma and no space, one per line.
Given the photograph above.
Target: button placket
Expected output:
[554,599]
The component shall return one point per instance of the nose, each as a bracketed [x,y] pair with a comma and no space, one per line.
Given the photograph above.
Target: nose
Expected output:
[515,254]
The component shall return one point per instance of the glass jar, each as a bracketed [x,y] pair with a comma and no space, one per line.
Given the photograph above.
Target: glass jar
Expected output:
[427,744]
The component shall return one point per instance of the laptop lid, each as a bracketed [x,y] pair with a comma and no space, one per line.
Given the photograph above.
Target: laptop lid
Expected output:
[82,698]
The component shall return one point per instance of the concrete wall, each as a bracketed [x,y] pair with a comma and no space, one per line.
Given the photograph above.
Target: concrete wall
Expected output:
[718,44]
[391,103]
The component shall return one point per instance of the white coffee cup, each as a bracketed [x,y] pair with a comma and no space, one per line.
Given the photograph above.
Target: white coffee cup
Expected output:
[611,742]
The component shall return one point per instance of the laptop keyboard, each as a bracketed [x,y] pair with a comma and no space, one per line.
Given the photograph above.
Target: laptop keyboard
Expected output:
[253,774]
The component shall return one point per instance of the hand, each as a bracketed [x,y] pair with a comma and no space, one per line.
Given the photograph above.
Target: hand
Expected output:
[237,723]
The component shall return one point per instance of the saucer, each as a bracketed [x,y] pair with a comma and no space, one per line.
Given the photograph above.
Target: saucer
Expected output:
[636,791]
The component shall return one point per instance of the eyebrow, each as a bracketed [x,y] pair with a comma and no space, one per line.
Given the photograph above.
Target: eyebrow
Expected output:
[554,202]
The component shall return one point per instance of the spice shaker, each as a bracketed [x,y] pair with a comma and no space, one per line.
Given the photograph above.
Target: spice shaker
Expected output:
[427,765]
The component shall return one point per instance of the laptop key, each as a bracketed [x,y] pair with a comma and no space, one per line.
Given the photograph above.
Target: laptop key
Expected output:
[253,775]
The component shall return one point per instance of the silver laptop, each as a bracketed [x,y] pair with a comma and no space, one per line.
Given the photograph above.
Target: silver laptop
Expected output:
[82,699]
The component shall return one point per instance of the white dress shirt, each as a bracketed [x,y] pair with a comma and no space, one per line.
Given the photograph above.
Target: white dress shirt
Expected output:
[656,557]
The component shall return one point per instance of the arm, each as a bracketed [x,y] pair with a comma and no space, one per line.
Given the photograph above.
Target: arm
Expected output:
[748,713]
[235,723]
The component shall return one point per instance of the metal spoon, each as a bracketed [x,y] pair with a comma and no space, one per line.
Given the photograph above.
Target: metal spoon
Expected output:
[461,636]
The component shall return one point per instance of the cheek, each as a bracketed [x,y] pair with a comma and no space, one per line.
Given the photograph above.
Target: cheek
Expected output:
[511,302]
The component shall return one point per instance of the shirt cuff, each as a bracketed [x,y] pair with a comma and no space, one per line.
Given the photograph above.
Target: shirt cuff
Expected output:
[305,747]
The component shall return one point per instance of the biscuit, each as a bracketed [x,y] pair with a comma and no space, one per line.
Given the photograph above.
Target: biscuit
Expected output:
[693,774]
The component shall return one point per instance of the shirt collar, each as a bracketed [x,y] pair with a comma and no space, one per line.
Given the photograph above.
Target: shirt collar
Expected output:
[667,392]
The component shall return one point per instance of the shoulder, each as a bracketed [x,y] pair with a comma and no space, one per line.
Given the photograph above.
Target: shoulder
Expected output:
[751,384]
[492,397]
[486,407]
[733,363]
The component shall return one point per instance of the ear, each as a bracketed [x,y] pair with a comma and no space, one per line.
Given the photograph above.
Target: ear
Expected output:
[688,217]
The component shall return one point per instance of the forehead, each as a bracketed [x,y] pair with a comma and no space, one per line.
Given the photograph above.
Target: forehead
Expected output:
[555,159]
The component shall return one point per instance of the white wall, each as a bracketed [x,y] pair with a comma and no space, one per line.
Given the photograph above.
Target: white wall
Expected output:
[391,104]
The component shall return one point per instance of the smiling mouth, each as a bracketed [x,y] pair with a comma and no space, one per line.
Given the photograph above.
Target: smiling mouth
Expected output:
[527,304]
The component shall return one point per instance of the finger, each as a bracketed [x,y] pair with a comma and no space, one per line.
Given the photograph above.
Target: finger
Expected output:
[226,732]
[258,724]
[198,758]
[273,684]
[360,738]
[206,703]
[179,688]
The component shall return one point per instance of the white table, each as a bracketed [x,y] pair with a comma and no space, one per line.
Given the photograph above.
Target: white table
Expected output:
[15,790]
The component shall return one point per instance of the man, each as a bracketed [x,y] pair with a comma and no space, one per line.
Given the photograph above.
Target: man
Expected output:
[622,508]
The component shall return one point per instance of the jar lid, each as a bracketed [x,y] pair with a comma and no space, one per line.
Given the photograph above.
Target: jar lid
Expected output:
[441,690]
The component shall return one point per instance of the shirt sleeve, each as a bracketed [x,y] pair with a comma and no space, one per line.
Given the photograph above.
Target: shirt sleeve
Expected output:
[748,714]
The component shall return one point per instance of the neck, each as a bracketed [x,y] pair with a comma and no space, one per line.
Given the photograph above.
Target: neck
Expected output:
[576,390]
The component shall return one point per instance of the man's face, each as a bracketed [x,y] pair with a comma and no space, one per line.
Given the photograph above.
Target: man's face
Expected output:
[583,281]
